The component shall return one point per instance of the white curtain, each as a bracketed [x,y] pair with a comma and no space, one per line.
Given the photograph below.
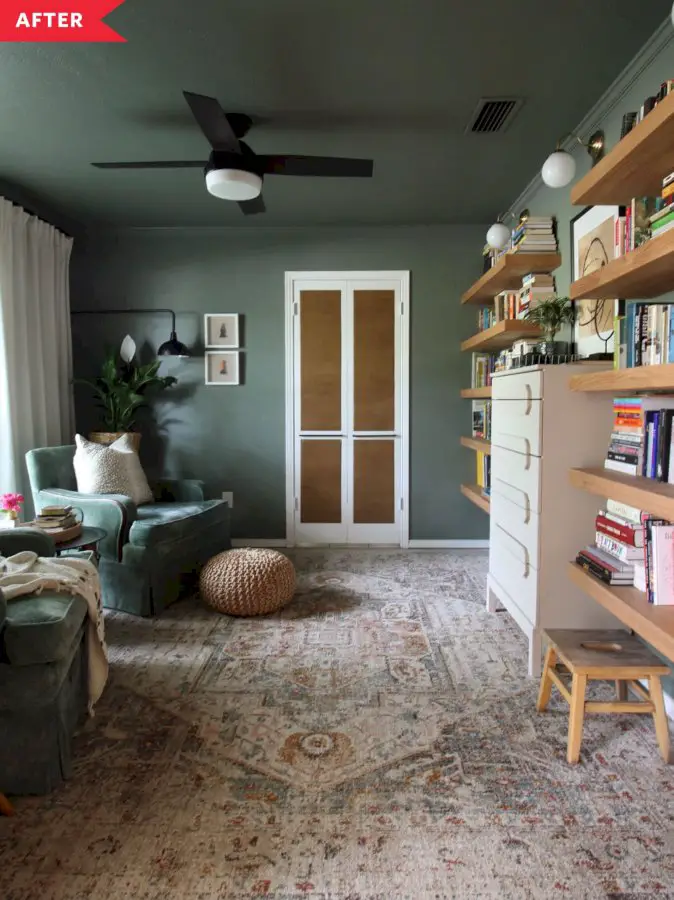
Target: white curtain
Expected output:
[36,405]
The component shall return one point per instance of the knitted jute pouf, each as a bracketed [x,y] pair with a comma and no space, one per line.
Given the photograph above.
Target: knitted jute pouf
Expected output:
[247,582]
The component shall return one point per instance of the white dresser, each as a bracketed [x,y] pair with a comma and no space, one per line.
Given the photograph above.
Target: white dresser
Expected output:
[538,522]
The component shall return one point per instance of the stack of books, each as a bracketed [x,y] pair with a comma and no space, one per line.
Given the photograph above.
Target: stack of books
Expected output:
[483,367]
[641,439]
[617,556]
[662,220]
[535,235]
[646,335]
[535,287]
[55,519]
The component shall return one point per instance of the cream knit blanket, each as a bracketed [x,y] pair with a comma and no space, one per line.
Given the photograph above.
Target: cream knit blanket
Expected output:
[27,573]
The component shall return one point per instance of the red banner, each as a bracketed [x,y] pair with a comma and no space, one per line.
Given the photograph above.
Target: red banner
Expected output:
[29,21]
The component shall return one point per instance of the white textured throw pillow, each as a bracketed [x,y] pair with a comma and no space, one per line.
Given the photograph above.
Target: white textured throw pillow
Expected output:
[111,469]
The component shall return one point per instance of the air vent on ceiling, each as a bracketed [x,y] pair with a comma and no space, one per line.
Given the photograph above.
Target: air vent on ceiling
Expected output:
[493,114]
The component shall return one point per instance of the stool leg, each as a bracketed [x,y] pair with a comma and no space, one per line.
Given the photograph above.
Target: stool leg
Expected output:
[659,715]
[576,716]
[545,688]
[621,691]
[5,806]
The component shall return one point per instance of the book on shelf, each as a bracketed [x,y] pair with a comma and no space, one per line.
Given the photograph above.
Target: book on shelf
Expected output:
[605,566]
[645,335]
[641,437]
[483,474]
[482,369]
[535,234]
[482,419]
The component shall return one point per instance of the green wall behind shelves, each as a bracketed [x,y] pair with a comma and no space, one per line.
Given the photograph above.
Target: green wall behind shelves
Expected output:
[234,438]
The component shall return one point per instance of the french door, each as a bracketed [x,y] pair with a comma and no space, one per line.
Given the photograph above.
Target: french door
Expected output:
[347,377]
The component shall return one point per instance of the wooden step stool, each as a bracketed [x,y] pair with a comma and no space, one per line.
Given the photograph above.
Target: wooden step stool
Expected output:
[606,656]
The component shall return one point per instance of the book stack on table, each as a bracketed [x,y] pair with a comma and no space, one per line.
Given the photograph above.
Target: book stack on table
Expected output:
[58,522]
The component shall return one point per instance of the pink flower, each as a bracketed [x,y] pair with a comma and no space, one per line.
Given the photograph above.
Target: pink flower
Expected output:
[11,502]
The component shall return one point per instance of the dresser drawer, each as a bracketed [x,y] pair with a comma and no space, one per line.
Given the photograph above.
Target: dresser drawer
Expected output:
[520,523]
[517,477]
[511,566]
[517,425]
[523,386]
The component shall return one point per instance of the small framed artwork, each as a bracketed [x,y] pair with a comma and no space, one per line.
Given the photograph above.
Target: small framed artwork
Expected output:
[222,367]
[221,330]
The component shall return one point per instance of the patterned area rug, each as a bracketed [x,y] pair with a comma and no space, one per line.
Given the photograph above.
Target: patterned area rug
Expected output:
[377,740]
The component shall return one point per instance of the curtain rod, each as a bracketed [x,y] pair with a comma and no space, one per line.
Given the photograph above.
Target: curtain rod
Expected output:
[31,212]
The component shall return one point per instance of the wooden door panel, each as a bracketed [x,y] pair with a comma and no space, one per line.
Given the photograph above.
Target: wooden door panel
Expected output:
[373,482]
[321,481]
[320,360]
[374,317]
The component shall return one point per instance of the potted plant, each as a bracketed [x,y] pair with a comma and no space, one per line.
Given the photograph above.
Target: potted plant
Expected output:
[551,315]
[121,390]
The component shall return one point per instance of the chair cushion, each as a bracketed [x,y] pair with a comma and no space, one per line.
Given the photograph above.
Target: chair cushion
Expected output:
[164,522]
[110,469]
[41,628]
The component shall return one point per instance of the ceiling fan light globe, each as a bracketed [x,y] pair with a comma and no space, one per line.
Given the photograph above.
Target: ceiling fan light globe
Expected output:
[233,184]
[498,236]
[559,169]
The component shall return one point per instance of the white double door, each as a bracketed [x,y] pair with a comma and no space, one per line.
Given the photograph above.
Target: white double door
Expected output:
[347,410]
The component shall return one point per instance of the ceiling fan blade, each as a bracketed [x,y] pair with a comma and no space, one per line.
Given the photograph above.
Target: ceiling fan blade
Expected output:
[177,164]
[213,122]
[328,166]
[252,207]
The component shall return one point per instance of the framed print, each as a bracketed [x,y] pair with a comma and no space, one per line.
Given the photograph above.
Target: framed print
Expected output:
[221,330]
[222,367]
[593,245]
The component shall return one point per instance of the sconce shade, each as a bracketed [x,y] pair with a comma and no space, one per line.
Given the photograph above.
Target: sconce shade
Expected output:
[559,169]
[173,347]
[498,236]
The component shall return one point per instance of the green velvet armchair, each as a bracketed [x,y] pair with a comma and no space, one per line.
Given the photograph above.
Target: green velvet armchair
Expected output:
[151,553]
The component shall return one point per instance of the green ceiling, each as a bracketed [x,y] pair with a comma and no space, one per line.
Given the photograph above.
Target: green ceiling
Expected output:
[394,80]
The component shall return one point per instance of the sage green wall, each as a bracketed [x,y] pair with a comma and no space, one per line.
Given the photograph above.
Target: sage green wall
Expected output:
[233,438]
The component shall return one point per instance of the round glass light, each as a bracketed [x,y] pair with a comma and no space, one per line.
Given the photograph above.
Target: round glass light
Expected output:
[498,236]
[559,169]
[233,184]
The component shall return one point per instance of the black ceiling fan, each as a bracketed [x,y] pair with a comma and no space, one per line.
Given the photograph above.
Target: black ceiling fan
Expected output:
[234,171]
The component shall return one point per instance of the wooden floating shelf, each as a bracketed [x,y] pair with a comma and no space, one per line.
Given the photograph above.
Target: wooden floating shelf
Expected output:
[474,494]
[655,624]
[626,381]
[642,274]
[507,274]
[643,493]
[478,444]
[478,393]
[502,335]
[636,165]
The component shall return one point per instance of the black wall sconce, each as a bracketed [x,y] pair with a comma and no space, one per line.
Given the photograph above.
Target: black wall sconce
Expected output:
[171,347]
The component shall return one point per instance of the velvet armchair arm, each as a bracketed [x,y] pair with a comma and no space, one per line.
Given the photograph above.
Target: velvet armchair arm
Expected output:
[114,513]
[18,539]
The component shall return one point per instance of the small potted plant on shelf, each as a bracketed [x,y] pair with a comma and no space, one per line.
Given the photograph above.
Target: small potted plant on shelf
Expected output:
[11,507]
[551,315]
[121,390]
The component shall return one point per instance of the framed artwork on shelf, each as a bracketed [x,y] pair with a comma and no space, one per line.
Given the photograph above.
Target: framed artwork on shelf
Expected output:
[593,245]
[221,330]
[222,367]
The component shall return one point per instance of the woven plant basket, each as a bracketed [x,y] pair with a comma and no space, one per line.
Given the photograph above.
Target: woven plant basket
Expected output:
[108,437]
[247,582]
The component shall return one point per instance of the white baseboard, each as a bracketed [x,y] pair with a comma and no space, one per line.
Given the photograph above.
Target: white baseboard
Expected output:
[259,542]
[413,545]
[449,545]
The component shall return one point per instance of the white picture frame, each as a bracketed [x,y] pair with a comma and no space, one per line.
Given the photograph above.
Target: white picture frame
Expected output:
[221,331]
[594,227]
[222,368]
